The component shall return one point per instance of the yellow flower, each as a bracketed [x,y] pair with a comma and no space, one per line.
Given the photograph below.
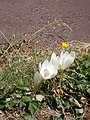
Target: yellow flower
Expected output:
[65,44]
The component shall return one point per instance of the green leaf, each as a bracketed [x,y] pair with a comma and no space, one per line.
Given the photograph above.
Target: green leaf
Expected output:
[88,90]
[2,106]
[7,105]
[32,107]
[16,101]
[20,82]
[60,117]
[26,98]
[22,104]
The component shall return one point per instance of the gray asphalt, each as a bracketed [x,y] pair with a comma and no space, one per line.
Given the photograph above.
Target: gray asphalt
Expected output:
[19,17]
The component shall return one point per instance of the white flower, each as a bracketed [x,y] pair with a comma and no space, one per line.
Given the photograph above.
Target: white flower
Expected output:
[47,70]
[66,59]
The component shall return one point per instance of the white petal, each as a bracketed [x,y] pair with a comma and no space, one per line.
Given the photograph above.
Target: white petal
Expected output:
[61,55]
[65,56]
[69,60]
[53,56]
[55,60]
[52,71]
[37,79]
[66,60]
[61,58]
[45,64]
[49,72]
[54,74]
[55,63]
[46,73]
[43,69]
[40,66]
[73,55]
[67,63]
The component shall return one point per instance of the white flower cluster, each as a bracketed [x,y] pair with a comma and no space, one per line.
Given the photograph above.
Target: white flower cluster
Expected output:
[49,69]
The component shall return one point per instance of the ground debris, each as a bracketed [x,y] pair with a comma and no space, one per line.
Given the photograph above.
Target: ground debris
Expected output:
[46,113]
[15,114]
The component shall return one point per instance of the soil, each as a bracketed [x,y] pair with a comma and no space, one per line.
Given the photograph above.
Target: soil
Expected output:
[24,17]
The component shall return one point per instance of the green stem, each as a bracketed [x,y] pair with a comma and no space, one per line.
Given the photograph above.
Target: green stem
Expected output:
[60,80]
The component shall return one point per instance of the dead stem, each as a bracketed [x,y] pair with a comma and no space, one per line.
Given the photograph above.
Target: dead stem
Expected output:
[6,38]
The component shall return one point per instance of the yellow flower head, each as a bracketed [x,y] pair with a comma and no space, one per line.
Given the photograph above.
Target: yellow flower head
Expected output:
[65,44]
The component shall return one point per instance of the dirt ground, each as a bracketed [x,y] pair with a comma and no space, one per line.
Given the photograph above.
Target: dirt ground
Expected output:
[21,17]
